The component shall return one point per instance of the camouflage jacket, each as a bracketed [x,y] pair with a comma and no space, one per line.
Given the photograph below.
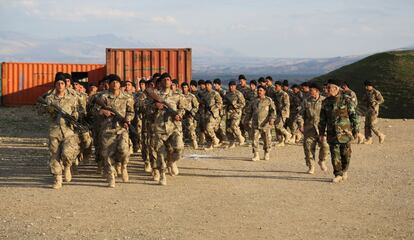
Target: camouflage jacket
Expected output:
[311,114]
[295,100]
[372,100]
[164,120]
[352,95]
[191,108]
[282,103]
[70,104]
[338,119]
[123,104]
[234,103]
[213,104]
[261,112]
[246,91]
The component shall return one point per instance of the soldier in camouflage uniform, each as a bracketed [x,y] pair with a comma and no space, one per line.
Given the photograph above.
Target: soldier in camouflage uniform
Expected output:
[304,88]
[310,113]
[234,104]
[339,124]
[346,90]
[63,140]
[295,120]
[168,141]
[372,100]
[285,86]
[201,121]
[189,122]
[114,132]
[269,86]
[281,100]
[262,112]
[221,127]
[247,94]
[139,97]
[212,107]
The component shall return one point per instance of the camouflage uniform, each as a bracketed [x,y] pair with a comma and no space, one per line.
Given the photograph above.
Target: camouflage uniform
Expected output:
[282,103]
[248,95]
[201,121]
[221,127]
[339,123]
[149,155]
[311,113]
[261,112]
[295,120]
[189,122]
[115,138]
[372,100]
[63,140]
[213,104]
[168,139]
[234,104]
[139,97]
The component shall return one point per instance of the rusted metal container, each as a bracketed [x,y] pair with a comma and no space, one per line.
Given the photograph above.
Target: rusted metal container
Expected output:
[23,83]
[134,64]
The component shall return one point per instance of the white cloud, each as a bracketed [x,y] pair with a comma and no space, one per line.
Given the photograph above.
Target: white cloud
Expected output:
[169,20]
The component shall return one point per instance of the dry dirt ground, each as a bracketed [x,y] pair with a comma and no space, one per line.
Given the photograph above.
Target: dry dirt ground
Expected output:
[218,195]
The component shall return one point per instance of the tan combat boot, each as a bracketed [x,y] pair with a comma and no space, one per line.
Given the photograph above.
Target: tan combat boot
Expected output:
[68,174]
[111,180]
[147,167]
[163,178]
[195,145]
[280,144]
[381,138]
[344,176]
[174,169]
[232,145]
[256,157]
[216,142]
[311,170]
[156,175]
[57,182]
[242,140]
[368,141]
[323,166]
[337,179]
[266,156]
[118,169]
[125,176]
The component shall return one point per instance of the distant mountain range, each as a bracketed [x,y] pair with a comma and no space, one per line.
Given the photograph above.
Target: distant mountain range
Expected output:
[207,60]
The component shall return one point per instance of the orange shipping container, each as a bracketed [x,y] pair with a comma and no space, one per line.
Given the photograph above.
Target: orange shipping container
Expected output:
[134,64]
[23,83]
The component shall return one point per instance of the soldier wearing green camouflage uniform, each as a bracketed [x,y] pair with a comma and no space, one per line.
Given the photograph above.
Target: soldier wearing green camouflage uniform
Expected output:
[189,122]
[201,121]
[213,104]
[248,95]
[114,133]
[295,120]
[281,100]
[262,112]
[339,124]
[63,140]
[372,100]
[221,127]
[310,113]
[234,104]
[168,141]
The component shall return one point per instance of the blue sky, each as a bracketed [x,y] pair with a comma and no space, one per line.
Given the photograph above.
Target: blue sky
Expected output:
[261,28]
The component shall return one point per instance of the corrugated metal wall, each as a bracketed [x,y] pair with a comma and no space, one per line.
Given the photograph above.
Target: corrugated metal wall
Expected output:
[133,64]
[23,83]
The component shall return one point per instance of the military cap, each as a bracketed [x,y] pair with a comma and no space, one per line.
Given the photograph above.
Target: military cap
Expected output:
[269,78]
[242,77]
[368,83]
[165,75]
[175,81]
[193,83]
[60,76]
[336,82]
[262,80]
[261,87]
[142,81]
[285,83]
[217,81]
[253,82]
[184,84]
[232,83]
[113,77]
[201,81]
[278,83]
[68,76]
[208,82]
[315,86]
[344,83]
[295,86]
[304,84]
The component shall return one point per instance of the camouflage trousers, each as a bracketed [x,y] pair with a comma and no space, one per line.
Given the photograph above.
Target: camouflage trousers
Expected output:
[64,149]
[294,122]
[280,129]
[340,157]
[233,128]
[371,125]
[96,135]
[201,127]
[211,126]
[189,128]
[221,129]
[136,138]
[266,136]
[246,127]
[147,148]
[310,143]
[115,148]
[169,149]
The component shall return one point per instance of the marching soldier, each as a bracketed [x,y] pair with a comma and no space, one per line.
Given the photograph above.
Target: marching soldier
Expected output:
[234,104]
[212,106]
[372,100]
[221,127]
[339,125]
[281,100]
[262,113]
[189,122]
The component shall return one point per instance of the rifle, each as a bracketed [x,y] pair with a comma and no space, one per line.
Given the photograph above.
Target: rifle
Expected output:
[154,96]
[117,116]
[69,119]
